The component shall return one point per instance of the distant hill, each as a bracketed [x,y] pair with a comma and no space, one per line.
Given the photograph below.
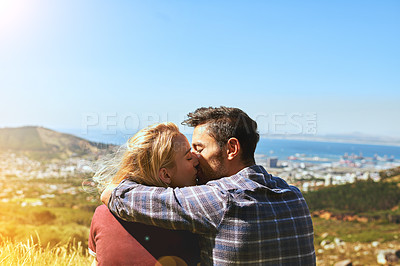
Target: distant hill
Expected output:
[43,143]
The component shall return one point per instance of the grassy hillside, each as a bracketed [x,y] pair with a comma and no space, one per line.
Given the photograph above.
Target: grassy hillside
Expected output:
[43,143]
[355,221]
[56,231]
[373,201]
[358,197]
[28,253]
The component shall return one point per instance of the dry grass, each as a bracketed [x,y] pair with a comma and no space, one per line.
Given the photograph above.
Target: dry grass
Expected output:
[29,253]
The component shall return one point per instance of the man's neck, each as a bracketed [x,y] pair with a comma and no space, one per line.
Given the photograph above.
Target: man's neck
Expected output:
[236,168]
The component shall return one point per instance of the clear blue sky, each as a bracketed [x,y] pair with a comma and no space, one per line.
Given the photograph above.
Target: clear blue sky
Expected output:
[62,61]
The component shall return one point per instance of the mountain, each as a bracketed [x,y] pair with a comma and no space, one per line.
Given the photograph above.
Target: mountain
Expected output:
[44,143]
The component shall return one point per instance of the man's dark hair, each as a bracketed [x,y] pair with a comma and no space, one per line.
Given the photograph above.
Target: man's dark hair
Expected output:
[224,123]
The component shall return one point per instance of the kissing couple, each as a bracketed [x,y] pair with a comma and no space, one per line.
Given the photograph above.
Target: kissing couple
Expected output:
[171,203]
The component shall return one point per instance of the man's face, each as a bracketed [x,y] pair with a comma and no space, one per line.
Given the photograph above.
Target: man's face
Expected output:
[210,155]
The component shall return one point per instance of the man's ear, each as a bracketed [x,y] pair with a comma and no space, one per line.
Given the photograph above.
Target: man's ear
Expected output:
[164,176]
[232,148]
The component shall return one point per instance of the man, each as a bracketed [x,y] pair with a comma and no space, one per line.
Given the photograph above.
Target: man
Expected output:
[243,215]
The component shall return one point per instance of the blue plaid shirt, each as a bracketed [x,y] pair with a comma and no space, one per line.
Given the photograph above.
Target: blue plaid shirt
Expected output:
[251,217]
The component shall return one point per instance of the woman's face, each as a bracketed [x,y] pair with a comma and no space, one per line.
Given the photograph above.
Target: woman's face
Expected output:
[184,173]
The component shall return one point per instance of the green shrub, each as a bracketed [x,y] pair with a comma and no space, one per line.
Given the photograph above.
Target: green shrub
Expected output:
[363,196]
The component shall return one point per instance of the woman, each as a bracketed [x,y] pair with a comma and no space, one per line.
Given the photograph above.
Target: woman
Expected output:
[158,155]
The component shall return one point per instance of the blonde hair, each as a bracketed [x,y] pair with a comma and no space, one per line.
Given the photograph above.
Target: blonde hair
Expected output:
[141,158]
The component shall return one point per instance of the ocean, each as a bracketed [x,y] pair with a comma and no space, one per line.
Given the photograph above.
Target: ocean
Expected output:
[280,148]
[283,148]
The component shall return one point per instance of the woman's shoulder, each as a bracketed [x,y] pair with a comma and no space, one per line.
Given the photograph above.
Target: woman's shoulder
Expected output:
[101,208]
[103,214]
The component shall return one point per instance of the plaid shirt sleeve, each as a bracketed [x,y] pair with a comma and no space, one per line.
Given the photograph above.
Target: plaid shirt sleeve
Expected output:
[199,209]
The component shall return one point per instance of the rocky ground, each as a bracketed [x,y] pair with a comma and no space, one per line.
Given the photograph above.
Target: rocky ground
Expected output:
[338,252]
